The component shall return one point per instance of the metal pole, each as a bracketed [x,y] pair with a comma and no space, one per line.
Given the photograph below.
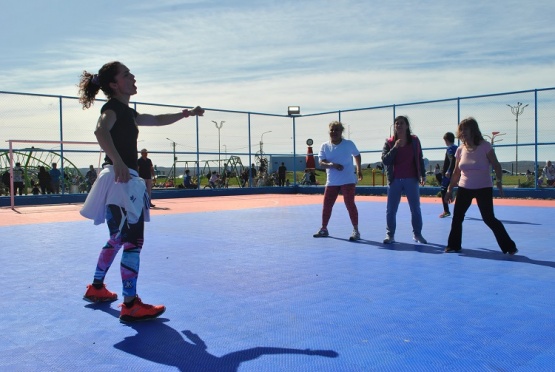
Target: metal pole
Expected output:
[174,160]
[517,110]
[12,191]
[262,143]
[219,126]
[294,130]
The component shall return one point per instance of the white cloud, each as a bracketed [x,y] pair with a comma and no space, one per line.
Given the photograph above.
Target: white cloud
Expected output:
[322,55]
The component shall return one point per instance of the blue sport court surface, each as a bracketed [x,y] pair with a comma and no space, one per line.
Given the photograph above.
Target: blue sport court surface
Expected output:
[249,289]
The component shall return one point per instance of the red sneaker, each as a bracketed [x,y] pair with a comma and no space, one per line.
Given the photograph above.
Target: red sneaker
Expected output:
[99,295]
[140,311]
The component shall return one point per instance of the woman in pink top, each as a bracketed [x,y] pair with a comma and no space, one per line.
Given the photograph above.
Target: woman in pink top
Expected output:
[472,173]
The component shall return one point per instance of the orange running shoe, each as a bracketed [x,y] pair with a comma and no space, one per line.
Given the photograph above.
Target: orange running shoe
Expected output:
[140,311]
[99,295]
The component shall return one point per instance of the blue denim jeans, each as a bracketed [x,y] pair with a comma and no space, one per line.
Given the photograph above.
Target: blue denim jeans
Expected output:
[411,188]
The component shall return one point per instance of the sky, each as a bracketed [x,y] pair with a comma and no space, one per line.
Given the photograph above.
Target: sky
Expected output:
[264,56]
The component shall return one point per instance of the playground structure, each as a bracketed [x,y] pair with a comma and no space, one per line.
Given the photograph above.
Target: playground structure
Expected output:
[263,177]
[31,159]
[232,167]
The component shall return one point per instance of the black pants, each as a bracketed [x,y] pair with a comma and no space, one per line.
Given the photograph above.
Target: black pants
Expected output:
[484,199]
[18,188]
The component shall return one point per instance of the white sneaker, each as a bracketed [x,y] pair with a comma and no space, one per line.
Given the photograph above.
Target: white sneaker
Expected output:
[355,236]
[389,239]
[420,239]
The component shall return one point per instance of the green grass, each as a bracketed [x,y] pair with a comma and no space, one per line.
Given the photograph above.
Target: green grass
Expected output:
[375,179]
[369,179]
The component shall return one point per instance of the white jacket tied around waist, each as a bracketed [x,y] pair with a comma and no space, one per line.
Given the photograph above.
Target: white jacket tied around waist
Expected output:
[131,196]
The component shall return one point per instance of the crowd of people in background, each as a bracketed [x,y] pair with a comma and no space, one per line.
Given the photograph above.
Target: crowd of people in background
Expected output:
[43,181]
[52,181]
[49,181]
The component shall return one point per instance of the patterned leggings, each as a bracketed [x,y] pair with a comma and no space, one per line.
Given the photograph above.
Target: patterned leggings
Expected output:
[330,196]
[128,236]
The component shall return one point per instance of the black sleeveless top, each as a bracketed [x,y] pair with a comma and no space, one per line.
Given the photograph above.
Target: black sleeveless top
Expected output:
[124,132]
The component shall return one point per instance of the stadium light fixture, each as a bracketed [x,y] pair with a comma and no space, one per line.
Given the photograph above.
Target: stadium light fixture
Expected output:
[293,110]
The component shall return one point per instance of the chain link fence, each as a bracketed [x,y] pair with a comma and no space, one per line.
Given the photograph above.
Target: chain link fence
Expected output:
[523,140]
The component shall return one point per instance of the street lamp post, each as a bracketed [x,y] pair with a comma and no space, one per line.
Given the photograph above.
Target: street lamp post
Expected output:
[517,110]
[219,127]
[262,143]
[263,165]
[174,159]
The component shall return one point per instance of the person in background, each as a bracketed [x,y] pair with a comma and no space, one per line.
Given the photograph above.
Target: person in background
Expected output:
[55,176]
[119,195]
[437,173]
[187,180]
[447,171]
[18,180]
[35,187]
[404,163]
[245,177]
[306,177]
[312,177]
[146,172]
[282,170]
[90,177]
[5,182]
[214,180]
[549,173]
[336,156]
[472,175]
[44,180]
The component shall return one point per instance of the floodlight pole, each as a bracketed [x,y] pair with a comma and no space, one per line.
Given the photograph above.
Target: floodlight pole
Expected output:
[517,110]
[219,127]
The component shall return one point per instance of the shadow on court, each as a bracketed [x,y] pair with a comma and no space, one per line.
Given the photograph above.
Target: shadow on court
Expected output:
[161,344]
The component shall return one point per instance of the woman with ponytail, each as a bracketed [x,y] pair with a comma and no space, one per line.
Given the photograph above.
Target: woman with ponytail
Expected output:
[118,196]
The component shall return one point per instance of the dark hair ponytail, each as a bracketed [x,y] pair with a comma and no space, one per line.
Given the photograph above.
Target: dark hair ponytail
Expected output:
[90,84]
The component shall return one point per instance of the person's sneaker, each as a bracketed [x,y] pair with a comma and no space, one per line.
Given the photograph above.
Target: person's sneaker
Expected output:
[512,253]
[355,236]
[420,239]
[99,295]
[322,233]
[139,311]
[452,250]
[389,239]
[444,214]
